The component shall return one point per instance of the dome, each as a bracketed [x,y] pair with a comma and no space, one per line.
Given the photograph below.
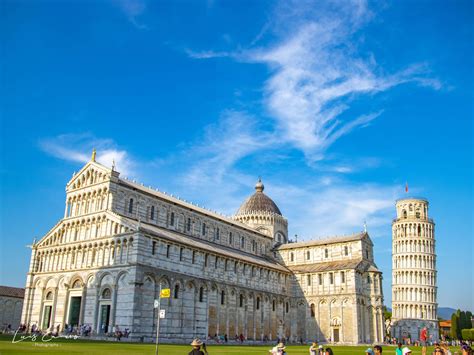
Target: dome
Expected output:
[258,202]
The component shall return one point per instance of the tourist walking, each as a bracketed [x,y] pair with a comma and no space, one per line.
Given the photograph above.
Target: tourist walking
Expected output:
[196,344]
[423,339]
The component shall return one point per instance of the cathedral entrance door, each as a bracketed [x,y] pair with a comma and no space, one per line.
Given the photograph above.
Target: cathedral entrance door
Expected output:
[74,310]
[104,318]
[46,317]
[335,335]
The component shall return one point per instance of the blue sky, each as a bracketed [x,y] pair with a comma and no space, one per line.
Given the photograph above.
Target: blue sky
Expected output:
[335,104]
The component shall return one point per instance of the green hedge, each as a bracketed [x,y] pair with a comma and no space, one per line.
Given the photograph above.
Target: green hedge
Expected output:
[468,334]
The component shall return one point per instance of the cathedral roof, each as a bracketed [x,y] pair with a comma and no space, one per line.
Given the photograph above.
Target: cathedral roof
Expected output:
[258,202]
[358,264]
[330,240]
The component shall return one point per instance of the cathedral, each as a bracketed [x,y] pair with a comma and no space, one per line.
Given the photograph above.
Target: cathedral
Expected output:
[119,242]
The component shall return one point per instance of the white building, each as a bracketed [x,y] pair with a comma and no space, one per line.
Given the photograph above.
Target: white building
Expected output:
[414,291]
[103,264]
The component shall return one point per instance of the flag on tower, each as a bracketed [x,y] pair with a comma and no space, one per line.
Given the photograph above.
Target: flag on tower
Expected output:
[406,186]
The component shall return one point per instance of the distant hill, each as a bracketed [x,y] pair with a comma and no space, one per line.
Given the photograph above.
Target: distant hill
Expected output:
[446,312]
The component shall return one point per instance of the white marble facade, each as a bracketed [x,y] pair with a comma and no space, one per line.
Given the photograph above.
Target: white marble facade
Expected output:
[119,242]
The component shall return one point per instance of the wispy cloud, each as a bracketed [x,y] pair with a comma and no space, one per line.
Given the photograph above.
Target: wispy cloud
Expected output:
[78,148]
[133,9]
[317,71]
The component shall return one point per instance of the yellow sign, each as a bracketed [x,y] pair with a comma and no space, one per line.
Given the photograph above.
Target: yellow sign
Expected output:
[165,293]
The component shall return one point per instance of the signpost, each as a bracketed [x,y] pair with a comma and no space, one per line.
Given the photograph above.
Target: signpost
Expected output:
[164,293]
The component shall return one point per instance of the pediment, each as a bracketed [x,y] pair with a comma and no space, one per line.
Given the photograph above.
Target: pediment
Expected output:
[91,173]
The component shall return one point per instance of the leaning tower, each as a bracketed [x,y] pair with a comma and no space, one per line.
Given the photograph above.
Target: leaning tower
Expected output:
[414,304]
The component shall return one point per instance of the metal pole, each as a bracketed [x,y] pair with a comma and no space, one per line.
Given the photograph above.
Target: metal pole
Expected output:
[158,322]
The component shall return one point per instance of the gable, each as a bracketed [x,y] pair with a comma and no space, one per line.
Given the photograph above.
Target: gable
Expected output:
[92,173]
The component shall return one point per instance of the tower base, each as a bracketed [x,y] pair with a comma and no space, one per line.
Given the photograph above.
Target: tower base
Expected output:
[403,329]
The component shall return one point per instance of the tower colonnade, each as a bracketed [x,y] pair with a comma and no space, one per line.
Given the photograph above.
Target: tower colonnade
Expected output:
[414,279]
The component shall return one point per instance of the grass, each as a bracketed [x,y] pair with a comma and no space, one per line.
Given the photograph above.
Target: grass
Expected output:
[70,346]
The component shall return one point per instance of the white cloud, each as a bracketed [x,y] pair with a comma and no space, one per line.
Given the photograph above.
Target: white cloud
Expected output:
[133,9]
[78,148]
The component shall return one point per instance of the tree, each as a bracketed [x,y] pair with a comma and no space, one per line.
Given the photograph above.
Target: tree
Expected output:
[455,331]
[469,318]
[462,321]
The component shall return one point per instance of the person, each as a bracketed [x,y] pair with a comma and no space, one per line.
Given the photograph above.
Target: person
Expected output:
[329,351]
[320,350]
[204,348]
[406,351]
[423,339]
[377,350]
[196,344]
[313,348]
[369,351]
[399,350]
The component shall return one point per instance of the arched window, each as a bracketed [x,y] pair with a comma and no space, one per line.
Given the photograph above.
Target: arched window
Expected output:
[258,302]
[313,313]
[404,213]
[76,284]
[222,297]
[241,300]
[176,291]
[152,213]
[172,219]
[419,230]
[368,279]
[130,206]
[106,294]
[273,306]
[49,296]
[201,294]
[287,307]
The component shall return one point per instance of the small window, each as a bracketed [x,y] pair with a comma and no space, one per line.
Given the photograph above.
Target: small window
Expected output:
[331,278]
[417,214]
[308,280]
[241,300]
[287,307]
[188,225]
[130,206]
[343,277]
[152,212]
[226,264]
[273,306]
[216,262]
[176,291]
[258,302]
[242,242]
[235,266]
[206,257]
[49,296]
[153,247]
[369,281]
[222,297]
[194,257]
[292,257]
[419,231]
[230,238]
[76,284]
[204,229]
[404,213]
[308,255]
[201,294]
[326,253]
[217,234]
[367,253]
[181,250]
[320,279]
[313,313]
[172,219]
[346,250]
[168,251]
[106,294]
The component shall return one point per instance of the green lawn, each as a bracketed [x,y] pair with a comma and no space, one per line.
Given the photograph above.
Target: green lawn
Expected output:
[62,346]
